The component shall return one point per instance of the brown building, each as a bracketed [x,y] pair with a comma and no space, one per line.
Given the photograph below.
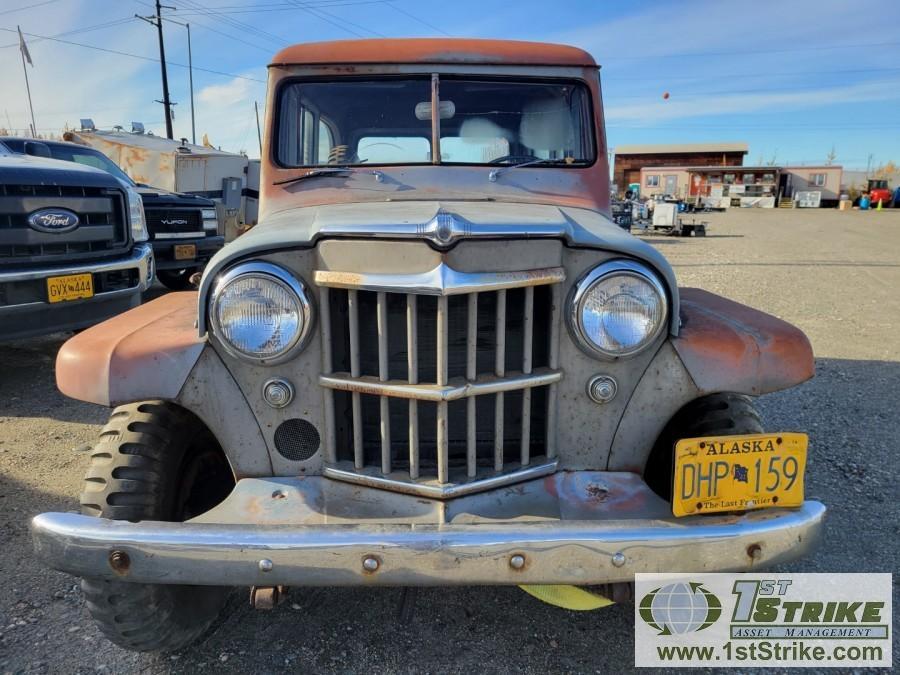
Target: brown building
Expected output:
[630,159]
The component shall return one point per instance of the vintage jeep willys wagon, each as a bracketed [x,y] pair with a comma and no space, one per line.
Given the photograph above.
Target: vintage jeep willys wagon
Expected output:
[435,361]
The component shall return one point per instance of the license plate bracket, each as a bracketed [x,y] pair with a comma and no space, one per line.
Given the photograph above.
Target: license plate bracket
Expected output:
[70,287]
[738,473]
[185,251]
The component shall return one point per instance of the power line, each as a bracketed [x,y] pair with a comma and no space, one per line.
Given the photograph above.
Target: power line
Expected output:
[84,29]
[415,18]
[21,9]
[316,14]
[234,23]
[756,74]
[134,56]
[696,94]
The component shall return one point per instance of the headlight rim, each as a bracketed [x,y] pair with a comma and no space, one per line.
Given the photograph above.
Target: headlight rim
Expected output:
[578,295]
[285,278]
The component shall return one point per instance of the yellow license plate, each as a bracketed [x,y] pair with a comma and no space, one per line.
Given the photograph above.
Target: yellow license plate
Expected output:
[738,473]
[70,287]
[185,251]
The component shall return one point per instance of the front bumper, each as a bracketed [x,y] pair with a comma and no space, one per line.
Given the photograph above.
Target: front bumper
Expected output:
[164,252]
[35,316]
[571,528]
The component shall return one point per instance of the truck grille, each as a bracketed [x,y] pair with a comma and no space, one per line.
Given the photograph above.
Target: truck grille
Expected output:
[441,391]
[102,232]
[172,221]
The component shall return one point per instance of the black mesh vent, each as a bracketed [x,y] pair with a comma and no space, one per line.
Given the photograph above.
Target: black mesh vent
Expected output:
[296,440]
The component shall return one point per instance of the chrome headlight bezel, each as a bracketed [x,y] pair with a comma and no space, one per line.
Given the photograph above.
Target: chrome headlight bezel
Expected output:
[136,217]
[270,272]
[578,295]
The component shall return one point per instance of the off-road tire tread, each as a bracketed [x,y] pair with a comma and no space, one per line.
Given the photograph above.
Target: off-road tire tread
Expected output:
[130,477]
[725,414]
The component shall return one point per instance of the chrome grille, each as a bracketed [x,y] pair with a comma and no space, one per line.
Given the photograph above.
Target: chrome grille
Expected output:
[439,390]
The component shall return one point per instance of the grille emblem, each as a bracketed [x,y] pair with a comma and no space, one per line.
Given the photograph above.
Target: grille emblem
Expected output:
[444,229]
[53,221]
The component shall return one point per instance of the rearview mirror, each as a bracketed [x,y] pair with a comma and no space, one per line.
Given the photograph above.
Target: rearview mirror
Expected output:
[423,110]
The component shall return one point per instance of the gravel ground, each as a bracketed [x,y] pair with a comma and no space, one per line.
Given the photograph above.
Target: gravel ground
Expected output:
[834,274]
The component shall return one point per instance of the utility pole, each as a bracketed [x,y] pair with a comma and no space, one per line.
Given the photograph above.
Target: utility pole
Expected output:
[191,76]
[156,20]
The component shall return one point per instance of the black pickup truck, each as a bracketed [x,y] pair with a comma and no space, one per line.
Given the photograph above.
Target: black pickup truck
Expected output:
[73,246]
[184,229]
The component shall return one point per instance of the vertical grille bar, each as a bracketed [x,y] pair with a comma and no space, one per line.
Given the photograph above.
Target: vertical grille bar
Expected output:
[412,368]
[443,446]
[330,432]
[385,413]
[499,370]
[527,341]
[553,362]
[471,372]
[353,312]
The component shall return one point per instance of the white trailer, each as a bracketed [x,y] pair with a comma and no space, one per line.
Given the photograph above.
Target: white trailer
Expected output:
[182,167]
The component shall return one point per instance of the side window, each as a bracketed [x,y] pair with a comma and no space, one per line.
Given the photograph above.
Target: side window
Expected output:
[326,142]
[652,181]
[817,179]
[88,160]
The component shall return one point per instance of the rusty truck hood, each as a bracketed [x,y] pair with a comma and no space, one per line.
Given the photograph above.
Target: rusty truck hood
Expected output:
[441,224]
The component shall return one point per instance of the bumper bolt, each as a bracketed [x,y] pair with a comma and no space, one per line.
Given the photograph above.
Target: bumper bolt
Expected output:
[371,564]
[517,562]
[266,565]
[618,559]
[119,561]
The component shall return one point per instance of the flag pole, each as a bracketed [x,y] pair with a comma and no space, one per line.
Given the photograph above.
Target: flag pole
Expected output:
[24,50]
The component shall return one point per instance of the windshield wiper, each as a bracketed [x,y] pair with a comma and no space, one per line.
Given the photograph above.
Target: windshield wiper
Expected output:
[312,173]
[327,171]
[492,176]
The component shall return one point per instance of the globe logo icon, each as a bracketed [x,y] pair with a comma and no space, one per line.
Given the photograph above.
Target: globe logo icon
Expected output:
[679,608]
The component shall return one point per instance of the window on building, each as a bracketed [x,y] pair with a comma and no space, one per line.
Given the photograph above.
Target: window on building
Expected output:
[817,179]
[728,178]
[652,181]
[768,178]
[749,178]
[715,178]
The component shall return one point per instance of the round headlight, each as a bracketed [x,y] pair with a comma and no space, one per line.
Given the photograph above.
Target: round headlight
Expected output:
[261,312]
[617,309]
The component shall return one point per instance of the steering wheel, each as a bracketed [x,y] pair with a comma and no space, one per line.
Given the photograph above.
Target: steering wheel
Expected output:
[513,159]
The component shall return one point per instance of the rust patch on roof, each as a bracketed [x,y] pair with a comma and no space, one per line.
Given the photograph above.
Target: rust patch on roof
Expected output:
[434,50]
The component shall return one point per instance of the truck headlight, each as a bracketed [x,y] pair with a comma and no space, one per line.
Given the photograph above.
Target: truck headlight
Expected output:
[210,219]
[617,309]
[261,312]
[136,215]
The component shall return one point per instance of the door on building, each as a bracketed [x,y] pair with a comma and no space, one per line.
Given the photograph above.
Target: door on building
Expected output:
[785,188]
[671,184]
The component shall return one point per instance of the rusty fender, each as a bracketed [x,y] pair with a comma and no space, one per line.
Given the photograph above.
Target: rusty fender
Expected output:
[727,346]
[145,353]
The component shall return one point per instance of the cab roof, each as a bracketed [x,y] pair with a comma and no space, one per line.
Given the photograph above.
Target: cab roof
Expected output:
[434,50]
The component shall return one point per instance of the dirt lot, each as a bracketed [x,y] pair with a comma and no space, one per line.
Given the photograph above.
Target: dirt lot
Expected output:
[836,275]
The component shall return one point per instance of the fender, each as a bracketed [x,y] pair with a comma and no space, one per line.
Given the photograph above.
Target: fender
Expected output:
[727,346]
[144,353]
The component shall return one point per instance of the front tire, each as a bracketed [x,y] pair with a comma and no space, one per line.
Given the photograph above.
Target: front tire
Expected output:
[713,415]
[154,461]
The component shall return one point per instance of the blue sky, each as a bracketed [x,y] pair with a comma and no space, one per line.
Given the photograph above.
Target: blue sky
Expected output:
[792,78]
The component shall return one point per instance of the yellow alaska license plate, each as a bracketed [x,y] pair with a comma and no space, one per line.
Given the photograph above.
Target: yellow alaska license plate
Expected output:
[70,287]
[185,251]
[737,473]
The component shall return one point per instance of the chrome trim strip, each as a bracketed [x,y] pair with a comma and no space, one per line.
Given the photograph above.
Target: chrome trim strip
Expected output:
[441,281]
[179,235]
[455,389]
[433,554]
[487,480]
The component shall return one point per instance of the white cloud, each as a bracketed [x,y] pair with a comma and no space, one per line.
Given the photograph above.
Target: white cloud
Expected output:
[657,111]
[225,113]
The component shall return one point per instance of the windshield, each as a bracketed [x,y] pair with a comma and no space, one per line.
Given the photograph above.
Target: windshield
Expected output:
[88,157]
[388,121]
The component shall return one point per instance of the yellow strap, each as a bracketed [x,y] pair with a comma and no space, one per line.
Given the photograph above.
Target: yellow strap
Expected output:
[567,597]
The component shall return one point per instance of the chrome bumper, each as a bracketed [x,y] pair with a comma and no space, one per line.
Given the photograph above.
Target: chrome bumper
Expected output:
[572,528]
[140,258]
